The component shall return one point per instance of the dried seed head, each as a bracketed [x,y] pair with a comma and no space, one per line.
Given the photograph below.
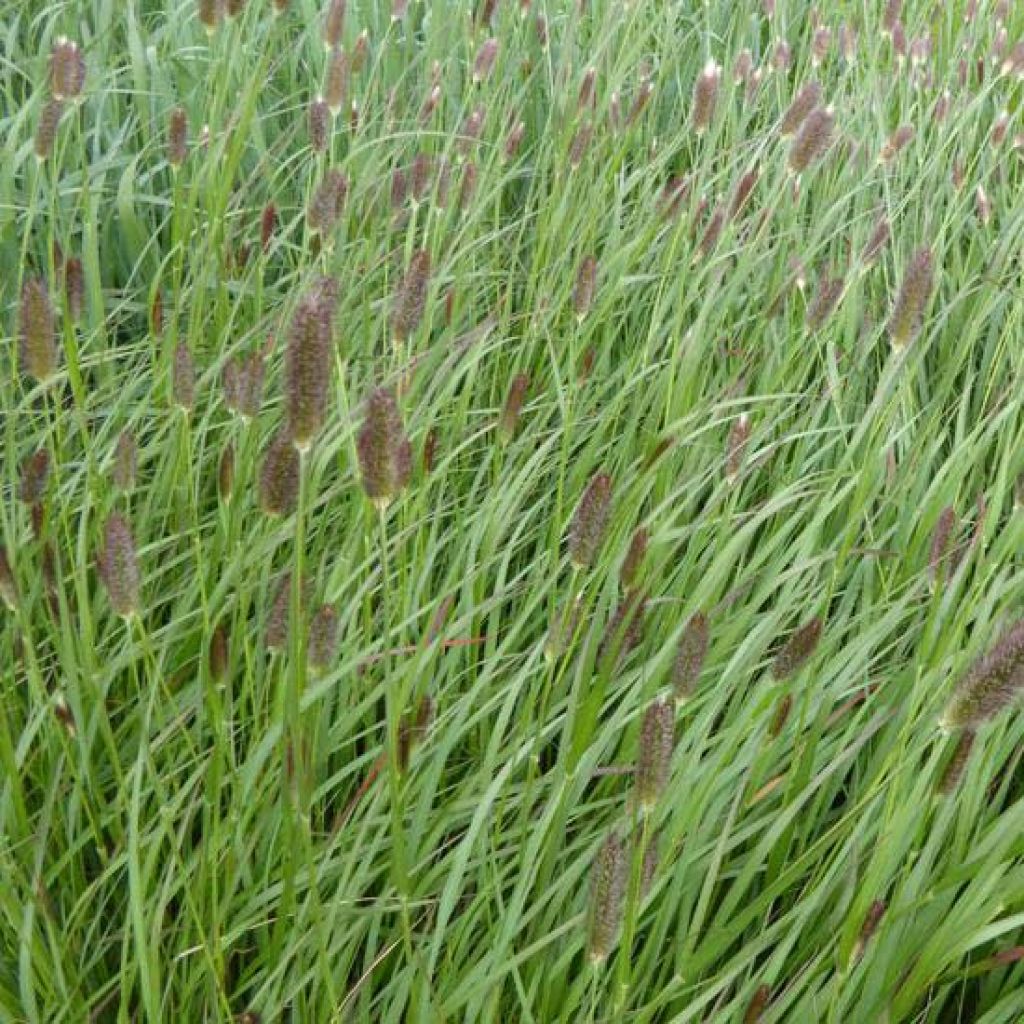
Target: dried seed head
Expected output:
[210,14]
[8,585]
[483,65]
[806,100]
[654,760]
[813,139]
[67,70]
[746,184]
[327,202]
[649,867]
[608,886]
[243,385]
[411,300]
[319,124]
[37,330]
[673,195]
[119,567]
[177,137]
[586,284]
[183,374]
[632,563]
[876,242]
[307,368]
[46,129]
[585,97]
[891,16]
[361,51]
[908,309]
[279,477]
[992,683]
[742,67]
[444,182]
[126,460]
[334,23]
[821,43]
[939,550]
[323,638]
[1000,127]
[235,8]
[823,303]
[219,657]
[469,131]
[712,231]
[736,448]
[468,188]
[586,533]
[413,730]
[797,650]
[1014,63]
[871,921]
[949,781]
[896,143]
[74,288]
[509,419]
[705,97]
[226,472]
[430,104]
[35,474]
[336,83]
[757,1005]
[643,97]
[385,456]
[690,655]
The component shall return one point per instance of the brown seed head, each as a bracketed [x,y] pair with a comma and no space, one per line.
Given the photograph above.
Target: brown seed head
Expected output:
[939,551]
[633,562]
[8,585]
[824,301]
[757,1005]
[411,300]
[949,781]
[307,368]
[46,129]
[35,474]
[177,138]
[797,650]
[586,285]
[183,378]
[319,124]
[126,460]
[327,202]
[896,143]
[736,448]
[908,309]
[385,455]
[821,43]
[37,330]
[486,56]
[210,14]
[508,422]
[654,759]
[219,656]
[323,638]
[876,242]
[608,887]
[586,533]
[336,83]
[690,655]
[705,97]
[67,70]
[74,287]
[334,23]
[806,100]
[226,472]
[119,567]
[812,140]
[279,477]
[992,683]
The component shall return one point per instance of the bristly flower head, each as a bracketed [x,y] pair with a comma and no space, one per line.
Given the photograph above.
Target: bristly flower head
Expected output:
[812,140]
[562,630]
[586,285]
[210,14]
[939,551]
[307,367]
[483,65]
[625,630]
[871,921]
[279,477]
[67,70]
[657,741]
[319,124]
[690,656]
[509,419]
[608,886]
[8,585]
[243,385]
[278,627]
[797,650]
[37,330]
[74,287]
[705,97]
[219,655]
[46,129]
[323,638]
[327,202]
[993,682]
[736,448]
[126,460]
[177,137]
[385,455]
[336,80]
[183,378]
[824,302]
[949,781]
[334,23]
[35,473]
[119,567]
[876,242]
[634,560]
[411,300]
[908,310]
[586,533]
[803,103]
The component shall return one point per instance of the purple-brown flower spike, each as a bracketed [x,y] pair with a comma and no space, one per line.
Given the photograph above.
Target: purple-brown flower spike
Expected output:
[323,638]
[74,288]
[37,330]
[34,476]
[871,921]
[633,562]
[586,285]
[876,242]
[385,455]
[319,124]
[824,302]
[691,652]
[177,137]
[46,129]
[908,310]
[797,650]
[992,684]
[307,369]
[279,477]
[219,656]
[119,567]
[939,551]
[586,533]
[508,422]
[949,781]
[736,448]
[67,70]
[813,139]
[757,1005]
[803,103]
[334,23]
[183,378]
[608,886]
[126,462]
[657,741]
[336,80]
[411,300]
[483,65]
[210,14]
[705,97]
[327,202]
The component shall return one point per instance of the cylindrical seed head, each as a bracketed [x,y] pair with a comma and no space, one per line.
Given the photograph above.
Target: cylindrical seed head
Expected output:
[177,137]
[757,1005]
[654,761]
[908,310]
[37,330]
[411,300]
[126,461]
[608,886]
[802,104]
[46,129]
[74,287]
[705,97]
[319,124]
[691,652]
[307,368]
[327,202]
[210,14]
[226,472]
[993,683]
[508,422]
[824,301]
[323,638]
[334,23]
[219,655]
[336,84]
[939,550]
[385,455]
[629,572]
[586,533]
[949,781]
[736,448]
[119,567]
[34,476]
[486,56]
[67,70]
[585,287]
[279,477]
[813,139]
[183,374]
[797,650]
[876,242]
[8,584]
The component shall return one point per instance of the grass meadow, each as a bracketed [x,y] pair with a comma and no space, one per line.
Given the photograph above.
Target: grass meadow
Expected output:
[509,511]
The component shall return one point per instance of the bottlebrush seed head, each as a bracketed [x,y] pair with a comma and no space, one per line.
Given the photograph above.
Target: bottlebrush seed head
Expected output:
[235,8]
[483,65]
[219,656]
[939,550]
[278,628]
[585,287]
[210,14]
[361,51]
[385,455]
[67,70]
[736,448]
[420,176]
[586,533]
[334,23]
[691,652]
[126,460]
[812,140]
[806,100]
[508,422]
[848,43]
[34,476]
[74,288]
[268,224]
[824,302]
[429,451]
[744,187]
[37,330]
[319,124]
[949,781]
[705,97]
[307,369]
[782,56]
[742,66]
[469,131]
[782,709]
[119,567]
[279,477]
[327,202]
[876,242]
[46,129]
[468,187]
[580,144]
[8,585]
[908,309]
[411,300]
[607,889]
[654,761]
[896,143]
[243,385]
[991,684]
[629,572]
[183,383]
[585,97]
[336,83]
[323,638]
[177,137]
[821,43]
[226,472]
[797,650]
